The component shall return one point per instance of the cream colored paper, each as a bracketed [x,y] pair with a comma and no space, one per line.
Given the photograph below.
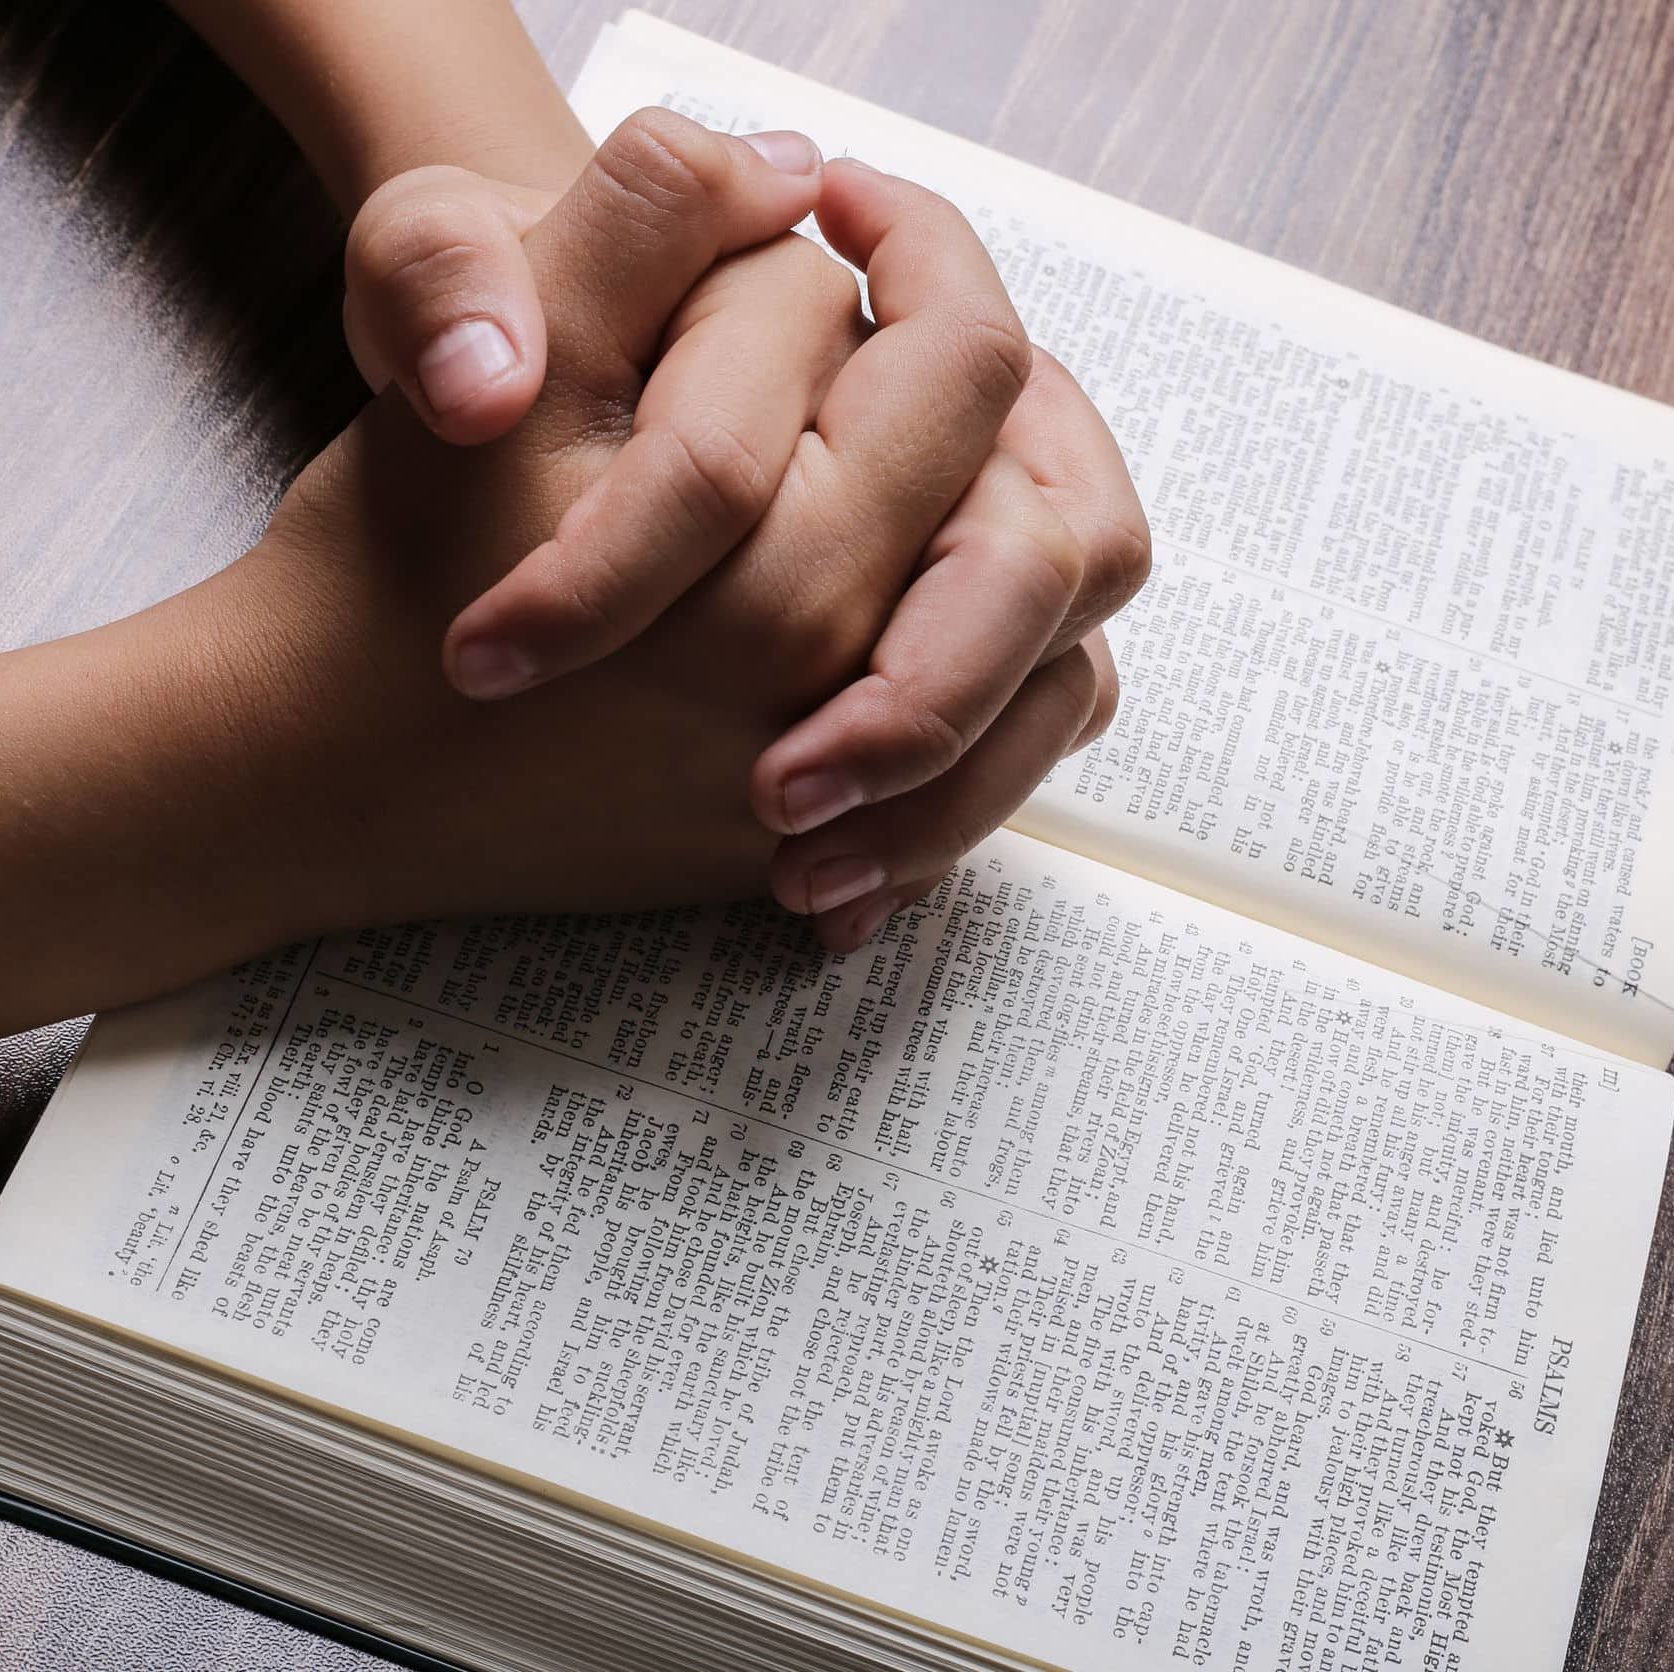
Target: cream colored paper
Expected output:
[1080,1266]
[1401,680]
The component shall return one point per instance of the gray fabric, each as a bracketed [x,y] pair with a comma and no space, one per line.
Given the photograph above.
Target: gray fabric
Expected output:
[63,1609]
[31,1065]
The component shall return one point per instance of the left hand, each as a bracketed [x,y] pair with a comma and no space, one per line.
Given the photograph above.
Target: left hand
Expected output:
[948,464]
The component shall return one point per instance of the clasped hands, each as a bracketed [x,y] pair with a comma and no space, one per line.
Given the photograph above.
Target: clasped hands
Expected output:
[695,582]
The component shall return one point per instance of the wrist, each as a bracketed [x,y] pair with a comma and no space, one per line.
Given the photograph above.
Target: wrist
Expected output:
[372,89]
[317,684]
[376,148]
[137,847]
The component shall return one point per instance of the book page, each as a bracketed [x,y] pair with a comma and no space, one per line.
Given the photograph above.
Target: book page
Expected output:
[1080,1268]
[1401,679]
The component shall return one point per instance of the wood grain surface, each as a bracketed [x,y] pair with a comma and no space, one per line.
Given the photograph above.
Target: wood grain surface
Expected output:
[170,353]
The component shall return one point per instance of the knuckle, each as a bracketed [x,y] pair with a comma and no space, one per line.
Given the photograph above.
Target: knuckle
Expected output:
[766,628]
[814,645]
[1118,564]
[428,251]
[724,479]
[1105,699]
[585,607]
[585,619]
[410,220]
[993,348]
[817,650]
[934,738]
[1126,556]
[1075,685]
[660,165]
[938,213]
[1050,563]
[824,620]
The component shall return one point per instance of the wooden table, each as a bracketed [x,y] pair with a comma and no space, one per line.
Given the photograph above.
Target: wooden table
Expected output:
[169,355]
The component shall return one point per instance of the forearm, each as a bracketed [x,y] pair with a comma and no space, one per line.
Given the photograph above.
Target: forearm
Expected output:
[370,88]
[146,829]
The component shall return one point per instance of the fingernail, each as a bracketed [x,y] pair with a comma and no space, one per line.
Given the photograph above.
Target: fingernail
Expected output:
[790,153]
[460,362]
[816,798]
[834,882]
[873,918]
[490,668]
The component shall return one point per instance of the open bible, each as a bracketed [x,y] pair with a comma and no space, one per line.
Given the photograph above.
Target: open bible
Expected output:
[1207,1232]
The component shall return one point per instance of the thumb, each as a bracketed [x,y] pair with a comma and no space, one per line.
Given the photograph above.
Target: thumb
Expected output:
[662,200]
[440,299]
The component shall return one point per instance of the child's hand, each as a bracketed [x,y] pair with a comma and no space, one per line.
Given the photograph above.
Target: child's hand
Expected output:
[275,752]
[765,404]
[1012,526]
